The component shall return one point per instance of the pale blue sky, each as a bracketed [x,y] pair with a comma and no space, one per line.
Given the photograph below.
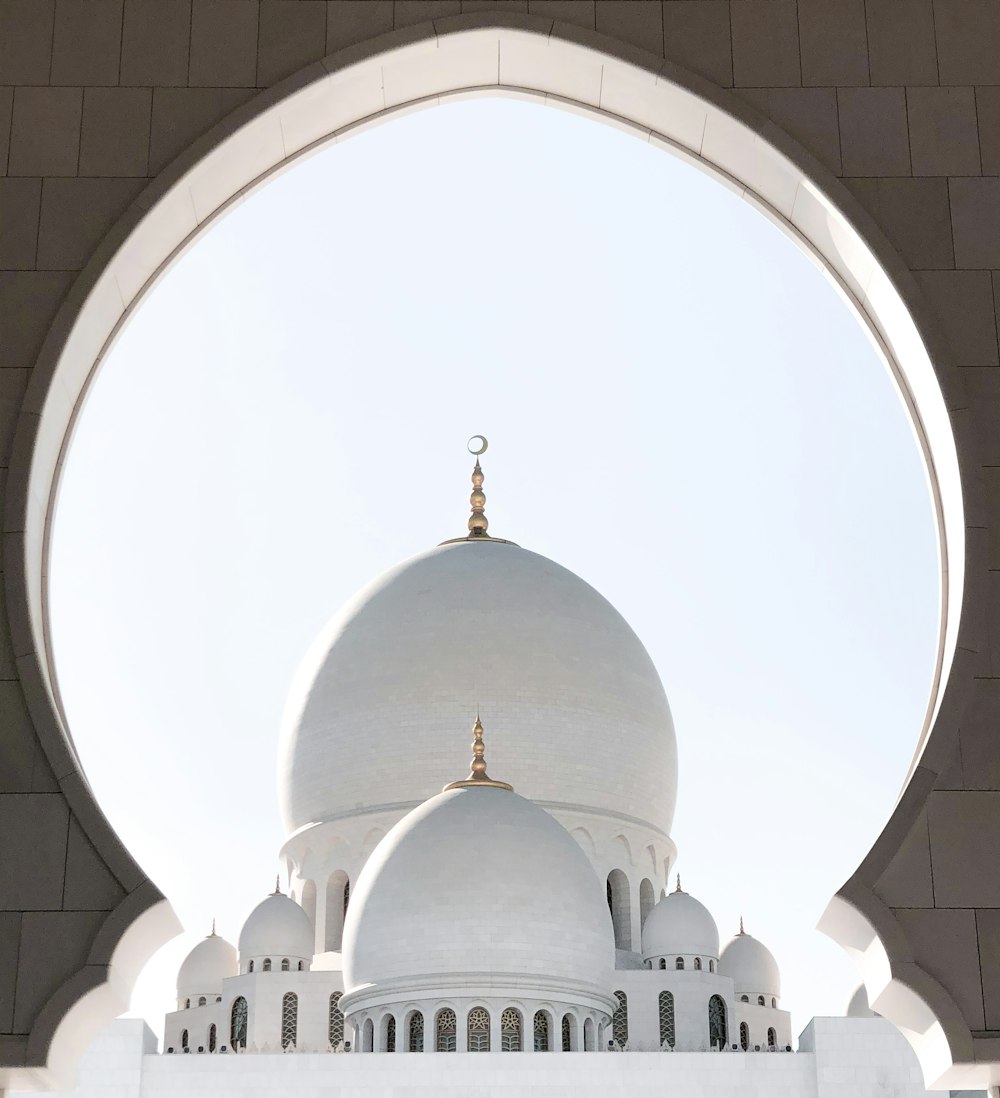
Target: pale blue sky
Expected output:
[680,409]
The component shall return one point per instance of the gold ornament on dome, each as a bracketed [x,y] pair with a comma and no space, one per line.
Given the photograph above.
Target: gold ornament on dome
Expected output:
[478,778]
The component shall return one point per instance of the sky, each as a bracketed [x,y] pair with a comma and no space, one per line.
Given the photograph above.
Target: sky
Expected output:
[681,409]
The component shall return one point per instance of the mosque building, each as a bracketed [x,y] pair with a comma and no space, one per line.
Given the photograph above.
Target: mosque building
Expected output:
[521,909]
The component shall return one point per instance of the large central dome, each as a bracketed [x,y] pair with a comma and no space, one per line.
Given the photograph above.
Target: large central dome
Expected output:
[580,717]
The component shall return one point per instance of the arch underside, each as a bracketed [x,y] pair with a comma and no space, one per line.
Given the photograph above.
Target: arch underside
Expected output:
[572,69]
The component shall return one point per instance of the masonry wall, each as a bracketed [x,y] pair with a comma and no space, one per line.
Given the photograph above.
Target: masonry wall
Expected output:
[898,98]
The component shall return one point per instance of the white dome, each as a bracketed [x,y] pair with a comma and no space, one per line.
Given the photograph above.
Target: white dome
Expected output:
[542,654]
[679,925]
[277,928]
[205,967]
[751,967]
[473,886]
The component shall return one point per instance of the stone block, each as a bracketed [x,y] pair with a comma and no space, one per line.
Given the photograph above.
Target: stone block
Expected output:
[945,944]
[519,7]
[873,137]
[963,304]
[834,42]
[90,885]
[988,115]
[180,115]
[291,36]
[54,945]
[6,112]
[901,48]
[17,742]
[916,217]
[975,216]
[352,21]
[86,42]
[19,204]
[13,384]
[964,830]
[114,139]
[978,730]
[26,41]
[223,44]
[968,41]
[634,21]
[30,299]
[76,214]
[156,37]
[944,138]
[765,43]
[407,13]
[988,932]
[696,35]
[807,114]
[45,131]
[31,874]
[10,937]
[906,881]
[581,13]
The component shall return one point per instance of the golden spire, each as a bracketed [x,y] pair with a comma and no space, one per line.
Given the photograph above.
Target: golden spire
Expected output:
[742,931]
[478,778]
[678,888]
[478,522]
[213,934]
[277,885]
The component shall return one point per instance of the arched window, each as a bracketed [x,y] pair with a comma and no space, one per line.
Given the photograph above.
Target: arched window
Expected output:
[212,1038]
[446,1030]
[285,966]
[250,969]
[389,1033]
[760,1000]
[187,1004]
[697,964]
[238,1024]
[663,964]
[510,1030]
[772,1038]
[368,1036]
[718,1035]
[184,1038]
[621,910]
[679,964]
[744,1036]
[668,1033]
[333,918]
[479,1030]
[619,1020]
[711,966]
[335,1022]
[302,965]
[266,966]
[289,1018]
[744,998]
[202,1000]
[541,1031]
[415,1036]
[589,1035]
[774,1001]
[647,898]
[567,1033]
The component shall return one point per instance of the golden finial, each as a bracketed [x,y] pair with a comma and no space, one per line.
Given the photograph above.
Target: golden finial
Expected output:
[678,888]
[212,935]
[478,778]
[742,931]
[478,522]
[277,885]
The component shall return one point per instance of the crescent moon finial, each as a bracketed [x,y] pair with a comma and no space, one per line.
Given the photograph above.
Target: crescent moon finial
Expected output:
[482,444]
[478,523]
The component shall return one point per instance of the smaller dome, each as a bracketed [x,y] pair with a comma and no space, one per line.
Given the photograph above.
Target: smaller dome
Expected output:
[751,966]
[679,925]
[857,1006]
[206,966]
[277,928]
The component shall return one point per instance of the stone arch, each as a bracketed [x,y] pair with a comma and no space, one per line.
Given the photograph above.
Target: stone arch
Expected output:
[666,106]
[622,850]
[584,838]
[371,840]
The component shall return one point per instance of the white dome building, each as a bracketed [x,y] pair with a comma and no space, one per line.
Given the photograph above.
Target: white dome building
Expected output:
[504,923]
[680,933]
[277,936]
[477,621]
[199,979]
[752,968]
